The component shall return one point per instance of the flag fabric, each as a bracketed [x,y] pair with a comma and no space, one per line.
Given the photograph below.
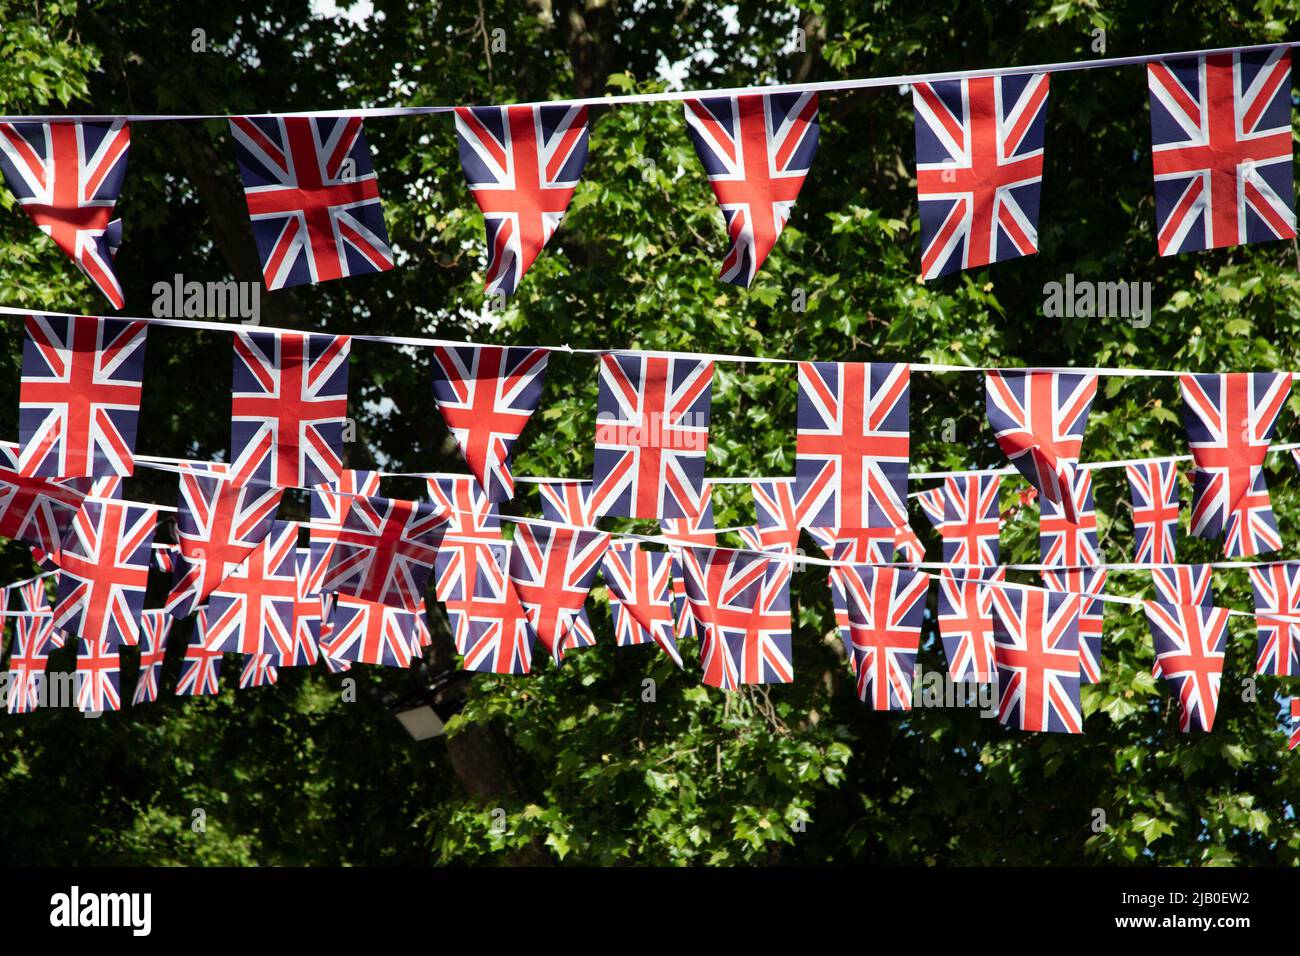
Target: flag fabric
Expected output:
[522,163]
[486,395]
[288,408]
[370,632]
[67,177]
[313,198]
[652,434]
[1038,419]
[155,627]
[1277,592]
[218,525]
[1294,740]
[552,570]
[779,517]
[99,677]
[251,611]
[36,511]
[1229,421]
[573,503]
[109,486]
[971,521]
[258,670]
[1153,488]
[1036,649]
[1082,582]
[104,567]
[1189,642]
[881,630]
[1066,543]
[979,169]
[756,150]
[1184,584]
[1221,149]
[470,513]
[932,502]
[966,622]
[201,667]
[79,397]
[741,603]
[386,550]
[641,598]
[857,545]
[307,611]
[907,543]
[332,665]
[472,543]
[330,504]
[166,557]
[695,528]
[28,655]
[497,635]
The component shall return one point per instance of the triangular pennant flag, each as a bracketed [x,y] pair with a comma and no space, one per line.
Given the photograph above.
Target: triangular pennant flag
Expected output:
[552,570]
[1277,616]
[979,169]
[1190,641]
[1153,488]
[880,611]
[756,150]
[641,597]
[312,196]
[1036,648]
[67,177]
[104,567]
[1221,149]
[522,163]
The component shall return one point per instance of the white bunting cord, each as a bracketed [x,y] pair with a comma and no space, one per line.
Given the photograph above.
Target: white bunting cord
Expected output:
[627,99]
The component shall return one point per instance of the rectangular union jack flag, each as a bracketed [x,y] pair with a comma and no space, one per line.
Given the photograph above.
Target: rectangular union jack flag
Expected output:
[1084,582]
[741,604]
[368,632]
[640,597]
[498,637]
[966,622]
[1153,487]
[1229,420]
[259,670]
[1182,584]
[1036,649]
[288,407]
[1221,149]
[971,519]
[36,511]
[853,444]
[251,611]
[1277,616]
[552,570]
[155,627]
[67,177]
[652,434]
[1190,642]
[218,525]
[881,629]
[470,513]
[99,677]
[1038,419]
[28,655]
[857,545]
[757,151]
[79,398]
[312,196]
[1066,543]
[386,550]
[979,169]
[779,517]
[104,567]
[486,395]
[330,504]
[307,611]
[522,163]
[201,667]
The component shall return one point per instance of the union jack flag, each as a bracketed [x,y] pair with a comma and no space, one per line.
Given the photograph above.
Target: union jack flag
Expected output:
[741,604]
[640,597]
[307,611]
[1153,486]
[259,670]
[368,632]
[1184,584]
[1084,582]
[289,402]
[979,169]
[36,511]
[327,612]
[1189,642]
[251,612]
[1036,649]
[1064,543]
[486,395]
[166,557]
[1221,149]
[1294,742]
[966,622]
[1277,592]
[756,150]
[857,545]
[779,517]
[498,637]
[971,520]
[695,528]
[99,677]
[79,399]
[652,434]
[423,636]
[473,540]
[908,544]
[67,177]
[552,570]
[33,640]
[312,196]
[386,550]
[201,667]
[1229,421]
[573,503]
[853,442]
[882,630]
[155,628]
[471,514]
[932,504]
[330,504]
[1038,419]
[218,524]
[522,163]
[104,567]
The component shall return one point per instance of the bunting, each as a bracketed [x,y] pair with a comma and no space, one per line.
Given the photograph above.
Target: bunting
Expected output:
[966,626]
[1277,592]
[882,630]
[1153,487]
[1086,583]
[330,504]
[1069,543]
[99,677]
[385,551]
[201,667]
[36,511]
[370,632]
[1189,642]
[32,642]
[971,521]
[552,570]
[251,611]
[155,627]
[640,597]
[104,567]
[1036,649]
